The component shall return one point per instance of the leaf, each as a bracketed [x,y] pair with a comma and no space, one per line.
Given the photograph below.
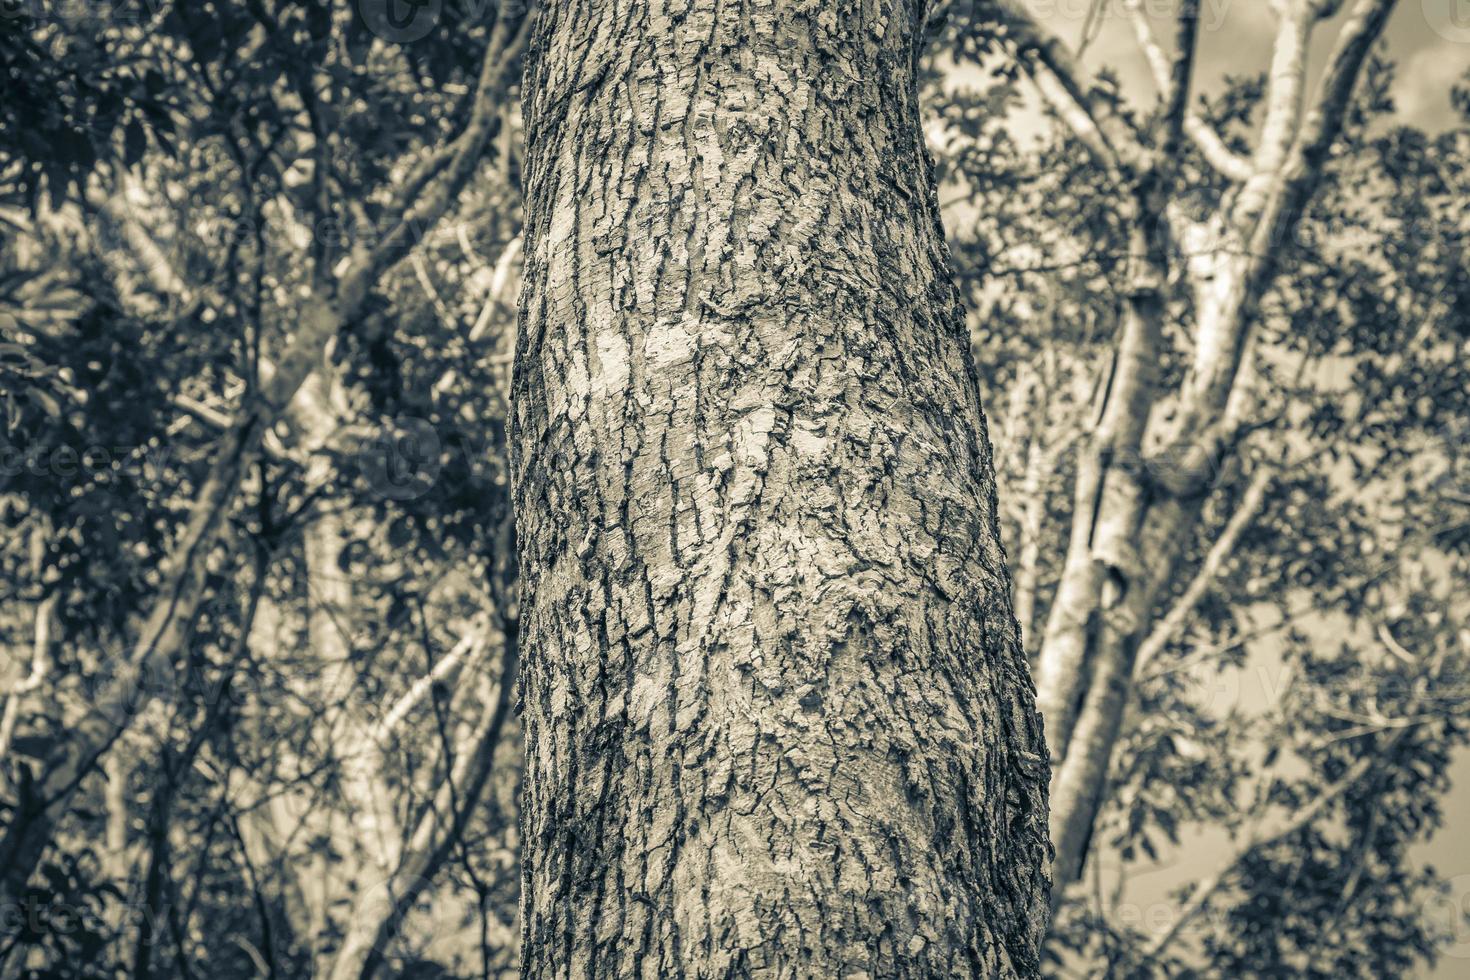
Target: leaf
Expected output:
[47,402]
[318,21]
[400,533]
[135,142]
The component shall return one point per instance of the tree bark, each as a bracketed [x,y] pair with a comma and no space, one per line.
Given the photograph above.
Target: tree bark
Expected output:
[778,718]
[1109,497]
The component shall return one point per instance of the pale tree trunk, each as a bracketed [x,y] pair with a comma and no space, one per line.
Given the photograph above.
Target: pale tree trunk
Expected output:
[379,907]
[406,871]
[1028,561]
[1024,445]
[1054,433]
[14,695]
[1142,484]
[292,820]
[778,719]
[364,828]
[356,816]
[1109,497]
[381,862]
[118,860]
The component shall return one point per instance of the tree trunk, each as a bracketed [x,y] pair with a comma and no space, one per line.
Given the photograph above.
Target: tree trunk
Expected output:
[1110,500]
[378,910]
[778,718]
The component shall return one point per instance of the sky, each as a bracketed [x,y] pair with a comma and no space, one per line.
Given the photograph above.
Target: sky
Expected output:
[1429,40]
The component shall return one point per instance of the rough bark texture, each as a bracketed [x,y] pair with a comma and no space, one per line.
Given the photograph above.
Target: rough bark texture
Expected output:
[778,718]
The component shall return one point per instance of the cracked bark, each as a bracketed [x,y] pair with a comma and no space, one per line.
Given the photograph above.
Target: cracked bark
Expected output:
[778,719]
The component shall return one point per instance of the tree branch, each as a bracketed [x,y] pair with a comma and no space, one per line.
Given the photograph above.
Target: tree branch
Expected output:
[39,671]
[170,621]
[1271,203]
[1206,887]
[377,912]
[465,652]
[1224,160]
[1065,85]
[1285,81]
[1321,126]
[1168,628]
[1176,94]
[504,47]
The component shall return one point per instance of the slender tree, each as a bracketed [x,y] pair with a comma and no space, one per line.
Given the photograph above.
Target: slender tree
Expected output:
[1160,516]
[1151,454]
[778,718]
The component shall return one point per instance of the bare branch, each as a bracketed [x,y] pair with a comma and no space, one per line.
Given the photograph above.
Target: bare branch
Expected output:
[1209,570]
[1269,206]
[1224,160]
[201,412]
[39,671]
[1286,79]
[378,911]
[1324,120]
[464,153]
[1176,94]
[499,304]
[1066,86]
[465,652]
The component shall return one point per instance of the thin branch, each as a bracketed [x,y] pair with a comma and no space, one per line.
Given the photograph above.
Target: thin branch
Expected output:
[498,298]
[1286,80]
[1206,887]
[432,841]
[1209,570]
[1176,95]
[465,652]
[1064,83]
[1200,895]
[40,670]
[432,202]
[201,412]
[1322,123]
[1224,160]
[421,272]
[498,307]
